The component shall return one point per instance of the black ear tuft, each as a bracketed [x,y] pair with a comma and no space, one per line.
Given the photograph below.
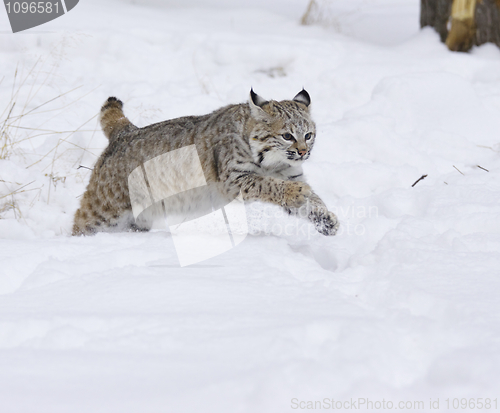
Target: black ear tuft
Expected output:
[256,99]
[303,97]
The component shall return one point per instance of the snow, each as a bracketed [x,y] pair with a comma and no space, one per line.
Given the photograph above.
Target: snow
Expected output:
[401,305]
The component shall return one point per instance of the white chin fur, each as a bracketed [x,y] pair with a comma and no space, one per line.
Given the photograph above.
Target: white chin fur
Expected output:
[273,158]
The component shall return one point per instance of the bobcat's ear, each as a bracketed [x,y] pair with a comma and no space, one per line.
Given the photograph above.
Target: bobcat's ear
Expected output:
[256,102]
[303,97]
[256,99]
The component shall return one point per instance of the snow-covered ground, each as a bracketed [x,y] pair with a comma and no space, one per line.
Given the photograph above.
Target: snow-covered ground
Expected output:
[401,306]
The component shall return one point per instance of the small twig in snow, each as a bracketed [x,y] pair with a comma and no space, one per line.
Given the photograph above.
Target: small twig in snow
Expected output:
[418,180]
[484,169]
[458,169]
[81,166]
[486,147]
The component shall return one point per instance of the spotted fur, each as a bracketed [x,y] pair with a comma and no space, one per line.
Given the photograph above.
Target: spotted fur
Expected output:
[256,148]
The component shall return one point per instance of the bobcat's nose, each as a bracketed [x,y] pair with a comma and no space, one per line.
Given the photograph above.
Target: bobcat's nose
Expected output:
[302,152]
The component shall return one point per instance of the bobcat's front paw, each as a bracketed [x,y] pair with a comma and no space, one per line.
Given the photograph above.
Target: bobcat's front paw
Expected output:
[296,194]
[326,223]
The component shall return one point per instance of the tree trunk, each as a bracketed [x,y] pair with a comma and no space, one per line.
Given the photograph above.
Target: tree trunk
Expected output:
[463,25]
[436,13]
[488,22]
[473,22]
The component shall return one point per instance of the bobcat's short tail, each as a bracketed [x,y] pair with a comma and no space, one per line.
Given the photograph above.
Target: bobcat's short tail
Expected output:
[113,120]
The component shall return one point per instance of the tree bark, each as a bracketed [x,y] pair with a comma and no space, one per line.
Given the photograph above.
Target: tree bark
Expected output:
[436,13]
[488,22]
[483,26]
[462,34]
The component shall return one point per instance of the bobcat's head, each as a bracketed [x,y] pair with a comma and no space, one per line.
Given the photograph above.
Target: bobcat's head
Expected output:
[283,132]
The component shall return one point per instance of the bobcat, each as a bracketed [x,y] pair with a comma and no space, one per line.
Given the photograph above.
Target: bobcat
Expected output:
[254,149]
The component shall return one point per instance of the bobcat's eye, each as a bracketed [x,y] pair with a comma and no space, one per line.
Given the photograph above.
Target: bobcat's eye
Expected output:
[288,137]
[308,136]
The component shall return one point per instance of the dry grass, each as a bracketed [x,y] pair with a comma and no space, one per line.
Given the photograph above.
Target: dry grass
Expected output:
[322,12]
[319,12]
[21,121]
